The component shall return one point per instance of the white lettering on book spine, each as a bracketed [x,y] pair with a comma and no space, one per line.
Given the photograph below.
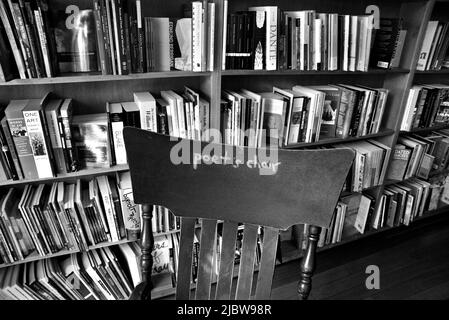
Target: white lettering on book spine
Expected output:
[38,146]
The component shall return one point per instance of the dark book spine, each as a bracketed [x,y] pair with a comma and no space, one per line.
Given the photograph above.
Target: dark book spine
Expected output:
[162,121]
[111,118]
[106,38]
[71,153]
[133,40]
[64,145]
[128,47]
[233,47]
[171,36]
[100,37]
[147,44]
[12,148]
[241,36]
[141,61]
[355,121]
[8,159]
[121,29]
[51,41]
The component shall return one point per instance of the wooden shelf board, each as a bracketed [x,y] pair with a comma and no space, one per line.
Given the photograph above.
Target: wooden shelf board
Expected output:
[433,72]
[309,73]
[104,78]
[35,256]
[339,141]
[74,175]
[426,130]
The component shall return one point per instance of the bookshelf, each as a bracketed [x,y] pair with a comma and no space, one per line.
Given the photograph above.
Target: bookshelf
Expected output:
[91,92]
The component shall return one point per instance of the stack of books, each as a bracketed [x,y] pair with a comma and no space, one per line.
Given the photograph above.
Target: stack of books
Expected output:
[164,221]
[427,106]
[434,50]
[102,274]
[370,165]
[420,156]
[301,114]
[64,217]
[112,37]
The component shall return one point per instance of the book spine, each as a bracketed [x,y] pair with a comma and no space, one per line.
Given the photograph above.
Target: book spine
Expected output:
[109,210]
[22,143]
[204,35]
[39,147]
[127,34]
[55,138]
[4,250]
[197,35]
[12,149]
[122,37]
[110,20]
[140,39]
[100,37]
[225,34]
[43,42]
[43,9]
[117,135]
[211,37]
[272,35]
[109,60]
[70,149]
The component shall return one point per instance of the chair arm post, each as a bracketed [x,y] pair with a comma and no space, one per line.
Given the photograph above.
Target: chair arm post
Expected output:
[308,263]
[147,243]
[143,289]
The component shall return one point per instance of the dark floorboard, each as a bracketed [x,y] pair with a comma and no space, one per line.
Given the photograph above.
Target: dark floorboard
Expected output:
[413,263]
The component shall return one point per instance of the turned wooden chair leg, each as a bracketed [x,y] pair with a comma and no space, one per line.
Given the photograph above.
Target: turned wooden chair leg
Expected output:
[308,263]
[143,290]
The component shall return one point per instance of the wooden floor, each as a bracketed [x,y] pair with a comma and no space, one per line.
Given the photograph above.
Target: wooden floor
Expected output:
[413,263]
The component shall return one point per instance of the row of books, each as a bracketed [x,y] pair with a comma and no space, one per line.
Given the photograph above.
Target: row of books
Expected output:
[166,251]
[41,138]
[434,53]
[302,114]
[420,155]
[369,167]
[266,38]
[102,274]
[67,217]
[164,221]
[427,106]
[111,37]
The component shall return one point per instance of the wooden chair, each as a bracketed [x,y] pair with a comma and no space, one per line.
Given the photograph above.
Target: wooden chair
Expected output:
[303,188]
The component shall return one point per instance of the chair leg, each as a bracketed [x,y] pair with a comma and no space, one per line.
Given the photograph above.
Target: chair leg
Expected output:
[308,263]
[143,290]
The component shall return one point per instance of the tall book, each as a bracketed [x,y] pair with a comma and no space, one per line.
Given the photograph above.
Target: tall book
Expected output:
[426,45]
[36,125]
[52,114]
[103,186]
[116,117]
[65,131]
[130,210]
[147,106]
[18,130]
[271,34]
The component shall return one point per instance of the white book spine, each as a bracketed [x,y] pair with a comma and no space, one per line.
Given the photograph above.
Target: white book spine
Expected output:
[119,143]
[211,37]
[427,44]
[147,107]
[295,126]
[347,22]
[197,17]
[38,144]
[353,44]
[116,37]
[43,41]
[225,34]
[317,43]
[108,207]
[111,36]
[271,35]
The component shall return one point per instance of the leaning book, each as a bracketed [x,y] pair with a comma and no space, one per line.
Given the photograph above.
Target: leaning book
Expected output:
[92,140]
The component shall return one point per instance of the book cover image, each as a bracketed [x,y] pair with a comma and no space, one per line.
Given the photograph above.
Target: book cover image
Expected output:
[91,138]
[76,42]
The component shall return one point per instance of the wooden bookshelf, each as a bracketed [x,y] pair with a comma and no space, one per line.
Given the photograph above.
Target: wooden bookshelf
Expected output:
[103,78]
[91,92]
[328,142]
[310,73]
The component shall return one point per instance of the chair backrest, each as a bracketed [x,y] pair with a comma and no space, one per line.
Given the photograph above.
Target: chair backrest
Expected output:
[271,188]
